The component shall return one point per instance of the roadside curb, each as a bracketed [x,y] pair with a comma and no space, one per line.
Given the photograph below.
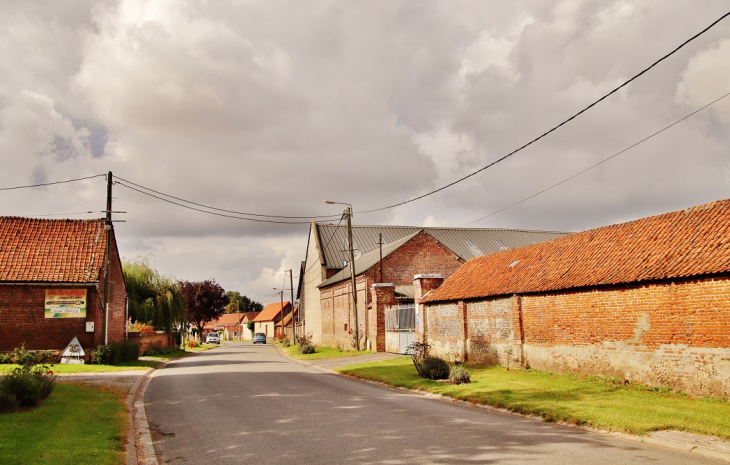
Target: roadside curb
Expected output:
[705,446]
[131,445]
[140,447]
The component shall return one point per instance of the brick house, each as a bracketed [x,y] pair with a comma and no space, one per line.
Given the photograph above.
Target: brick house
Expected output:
[327,255]
[270,317]
[645,301]
[52,282]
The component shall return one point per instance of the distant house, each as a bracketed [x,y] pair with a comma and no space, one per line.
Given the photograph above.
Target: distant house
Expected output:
[327,256]
[52,284]
[268,318]
[645,301]
[231,326]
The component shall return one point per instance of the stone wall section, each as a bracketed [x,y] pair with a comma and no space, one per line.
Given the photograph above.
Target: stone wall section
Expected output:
[673,333]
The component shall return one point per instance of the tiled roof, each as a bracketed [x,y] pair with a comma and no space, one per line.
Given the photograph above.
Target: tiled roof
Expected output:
[287,318]
[227,319]
[685,243]
[270,312]
[64,251]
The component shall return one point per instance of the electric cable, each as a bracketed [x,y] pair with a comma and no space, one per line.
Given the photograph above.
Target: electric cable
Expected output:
[504,157]
[223,210]
[208,212]
[600,162]
[51,183]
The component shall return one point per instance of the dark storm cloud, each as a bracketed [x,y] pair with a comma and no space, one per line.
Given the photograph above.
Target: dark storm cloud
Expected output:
[272,107]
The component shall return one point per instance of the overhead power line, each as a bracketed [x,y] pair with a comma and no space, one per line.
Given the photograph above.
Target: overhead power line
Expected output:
[600,162]
[223,210]
[257,220]
[645,70]
[51,183]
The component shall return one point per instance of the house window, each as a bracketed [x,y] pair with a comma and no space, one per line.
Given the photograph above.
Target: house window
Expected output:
[345,327]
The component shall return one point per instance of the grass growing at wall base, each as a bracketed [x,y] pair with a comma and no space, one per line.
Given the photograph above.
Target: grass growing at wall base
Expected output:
[322,353]
[75,425]
[598,402]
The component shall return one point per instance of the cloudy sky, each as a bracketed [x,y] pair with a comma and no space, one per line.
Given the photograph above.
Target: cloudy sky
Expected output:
[272,106]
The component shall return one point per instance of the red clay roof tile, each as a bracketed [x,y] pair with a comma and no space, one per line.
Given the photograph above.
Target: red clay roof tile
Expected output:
[679,244]
[35,250]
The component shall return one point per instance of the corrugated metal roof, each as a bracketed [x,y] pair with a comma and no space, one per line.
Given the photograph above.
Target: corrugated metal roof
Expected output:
[466,243]
[366,261]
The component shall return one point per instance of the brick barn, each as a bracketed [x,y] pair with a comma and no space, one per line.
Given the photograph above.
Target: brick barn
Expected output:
[646,301]
[327,255]
[52,282]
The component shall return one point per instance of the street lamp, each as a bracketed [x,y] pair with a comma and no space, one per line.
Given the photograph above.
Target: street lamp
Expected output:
[348,214]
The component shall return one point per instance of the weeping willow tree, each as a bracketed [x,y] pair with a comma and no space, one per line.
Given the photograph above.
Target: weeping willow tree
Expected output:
[153,298]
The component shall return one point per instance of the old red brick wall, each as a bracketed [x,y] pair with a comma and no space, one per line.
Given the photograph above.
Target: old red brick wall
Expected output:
[421,255]
[148,340]
[669,333]
[22,313]
[338,319]
[117,298]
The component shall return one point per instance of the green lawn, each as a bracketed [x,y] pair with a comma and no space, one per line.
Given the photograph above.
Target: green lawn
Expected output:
[67,368]
[75,425]
[596,402]
[322,352]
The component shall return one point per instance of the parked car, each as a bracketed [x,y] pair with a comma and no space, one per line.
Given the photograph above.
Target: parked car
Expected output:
[213,338]
[259,337]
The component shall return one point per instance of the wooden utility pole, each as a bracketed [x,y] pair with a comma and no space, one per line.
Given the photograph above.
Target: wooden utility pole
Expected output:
[380,242]
[293,322]
[107,234]
[281,318]
[348,212]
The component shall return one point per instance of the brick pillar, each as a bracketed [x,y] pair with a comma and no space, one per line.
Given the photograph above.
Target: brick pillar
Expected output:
[382,294]
[423,283]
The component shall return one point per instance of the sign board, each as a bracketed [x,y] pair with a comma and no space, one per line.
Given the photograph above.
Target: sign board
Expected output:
[65,303]
[73,353]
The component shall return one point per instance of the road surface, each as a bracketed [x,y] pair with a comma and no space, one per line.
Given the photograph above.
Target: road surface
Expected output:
[245,403]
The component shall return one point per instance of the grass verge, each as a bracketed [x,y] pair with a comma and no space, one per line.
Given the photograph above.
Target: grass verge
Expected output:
[76,424]
[66,368]
[598,402]
[322,352]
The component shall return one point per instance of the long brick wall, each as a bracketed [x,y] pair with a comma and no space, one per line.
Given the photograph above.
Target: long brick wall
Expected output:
[669,333]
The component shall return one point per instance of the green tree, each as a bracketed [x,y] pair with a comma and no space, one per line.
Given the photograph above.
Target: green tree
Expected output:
[153,298]
[241,303]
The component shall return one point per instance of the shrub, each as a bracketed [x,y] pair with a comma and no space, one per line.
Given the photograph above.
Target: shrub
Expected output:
[306,349]
[285,341]
[29,386]
[152,351]
[6,359]
[459,375]
[101,355]
[433,368]
[8,402]
[115,353]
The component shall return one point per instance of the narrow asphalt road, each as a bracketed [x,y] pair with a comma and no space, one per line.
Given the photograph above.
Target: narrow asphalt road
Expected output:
[242,403]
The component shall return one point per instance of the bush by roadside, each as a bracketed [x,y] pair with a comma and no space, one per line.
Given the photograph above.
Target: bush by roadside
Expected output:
[115,353]
[27,385]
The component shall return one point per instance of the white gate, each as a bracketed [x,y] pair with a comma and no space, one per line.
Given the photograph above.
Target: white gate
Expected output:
[400,327]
